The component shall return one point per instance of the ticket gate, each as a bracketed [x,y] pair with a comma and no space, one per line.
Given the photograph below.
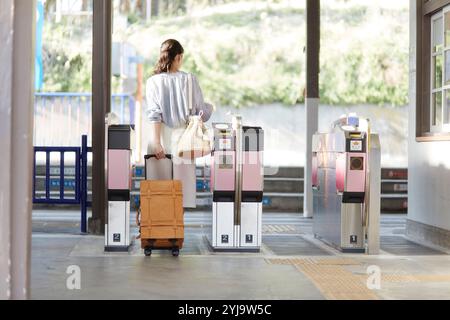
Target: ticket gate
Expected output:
[237,176]
[346,180]
[120,145]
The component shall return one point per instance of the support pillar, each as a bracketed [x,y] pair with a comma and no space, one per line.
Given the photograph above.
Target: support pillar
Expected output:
[101,105]
[312,94]
[17,53]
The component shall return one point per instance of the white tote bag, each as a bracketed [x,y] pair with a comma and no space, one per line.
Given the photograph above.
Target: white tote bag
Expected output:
[195,141]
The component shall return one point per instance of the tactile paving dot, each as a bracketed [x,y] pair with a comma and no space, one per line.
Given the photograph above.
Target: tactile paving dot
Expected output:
[279,229]
[410,278]
[337,283]
[433,277]
[330,277]
[321,261]
[338,262]
[290,261]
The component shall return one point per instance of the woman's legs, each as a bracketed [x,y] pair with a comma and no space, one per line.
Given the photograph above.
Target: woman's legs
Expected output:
[183,170]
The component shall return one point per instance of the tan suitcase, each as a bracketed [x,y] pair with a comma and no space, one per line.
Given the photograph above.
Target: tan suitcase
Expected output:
[162,216]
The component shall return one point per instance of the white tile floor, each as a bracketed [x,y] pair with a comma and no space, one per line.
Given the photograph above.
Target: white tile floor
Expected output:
[201,274]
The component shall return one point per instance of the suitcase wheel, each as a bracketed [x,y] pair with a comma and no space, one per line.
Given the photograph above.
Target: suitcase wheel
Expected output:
[148,252]
[175,252]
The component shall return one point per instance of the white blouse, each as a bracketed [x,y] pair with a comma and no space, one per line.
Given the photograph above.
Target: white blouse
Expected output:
[167,99]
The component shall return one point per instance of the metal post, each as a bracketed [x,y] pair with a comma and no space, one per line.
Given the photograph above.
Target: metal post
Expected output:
[47,175]
[84,189]
[374,210]
[101,103]
[77,175]
[312,94]
[237,126]
[61,176]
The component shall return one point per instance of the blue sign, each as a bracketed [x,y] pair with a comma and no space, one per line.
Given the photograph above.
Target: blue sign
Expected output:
[202,186]
[67,183]
[139,172]
[267,201]
[136,201]
[39,72]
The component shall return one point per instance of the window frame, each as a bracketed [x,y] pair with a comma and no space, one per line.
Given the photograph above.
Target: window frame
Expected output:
[434,89]
[445,87]
[428,11]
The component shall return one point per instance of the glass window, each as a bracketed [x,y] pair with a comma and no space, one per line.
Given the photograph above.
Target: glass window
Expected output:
[438,36]
[447,68]
[447,107]
[447,28]
[437,109]
[437,71]
[440,72]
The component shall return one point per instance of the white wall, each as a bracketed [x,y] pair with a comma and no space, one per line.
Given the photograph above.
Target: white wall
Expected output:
[285,130]
[429,162]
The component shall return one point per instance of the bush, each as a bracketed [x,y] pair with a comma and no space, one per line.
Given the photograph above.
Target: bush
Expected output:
[253,54]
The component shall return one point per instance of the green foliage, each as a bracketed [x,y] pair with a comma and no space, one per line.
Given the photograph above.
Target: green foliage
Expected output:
[67,56]
[255,56]
[367,64]
[65,73]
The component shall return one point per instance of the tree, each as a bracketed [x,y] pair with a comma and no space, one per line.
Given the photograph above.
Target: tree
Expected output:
[49,5]
[155,8]
[85,5]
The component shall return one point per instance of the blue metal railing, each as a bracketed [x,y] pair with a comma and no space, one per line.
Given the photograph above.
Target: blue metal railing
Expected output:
[62,152]
[81,175]
[62,117]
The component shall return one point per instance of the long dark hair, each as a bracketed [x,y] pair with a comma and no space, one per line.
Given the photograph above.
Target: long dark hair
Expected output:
[169,50]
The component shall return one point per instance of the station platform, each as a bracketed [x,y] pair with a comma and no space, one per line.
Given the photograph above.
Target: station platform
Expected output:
[292,265]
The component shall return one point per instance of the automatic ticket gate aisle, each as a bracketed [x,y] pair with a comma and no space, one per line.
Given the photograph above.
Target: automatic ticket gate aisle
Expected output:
[237,183]
[119,150]
[346,183]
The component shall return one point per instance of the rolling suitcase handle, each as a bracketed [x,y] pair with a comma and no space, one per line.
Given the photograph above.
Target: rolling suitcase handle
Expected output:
[152,156]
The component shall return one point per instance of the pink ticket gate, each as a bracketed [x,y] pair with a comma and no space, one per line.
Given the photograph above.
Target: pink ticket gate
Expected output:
[237,173]
[346,183]
[120,139]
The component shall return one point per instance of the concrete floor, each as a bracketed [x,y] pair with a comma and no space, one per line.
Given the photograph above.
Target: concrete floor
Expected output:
[291,265]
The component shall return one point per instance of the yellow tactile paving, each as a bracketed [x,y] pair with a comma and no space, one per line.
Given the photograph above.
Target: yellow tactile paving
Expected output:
[279,229]
[433,277]
[400,278]
[319,261]
[410,278]
[338,262]
[336,283]
[331,278]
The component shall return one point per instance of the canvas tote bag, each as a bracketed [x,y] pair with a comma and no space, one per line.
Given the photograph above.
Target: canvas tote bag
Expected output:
[195,141]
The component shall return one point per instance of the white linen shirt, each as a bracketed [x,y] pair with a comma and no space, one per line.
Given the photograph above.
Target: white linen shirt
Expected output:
[167,99]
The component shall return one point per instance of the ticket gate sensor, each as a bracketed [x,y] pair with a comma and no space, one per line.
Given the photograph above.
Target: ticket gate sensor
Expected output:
[120,145]
[346,180]
[237,182]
